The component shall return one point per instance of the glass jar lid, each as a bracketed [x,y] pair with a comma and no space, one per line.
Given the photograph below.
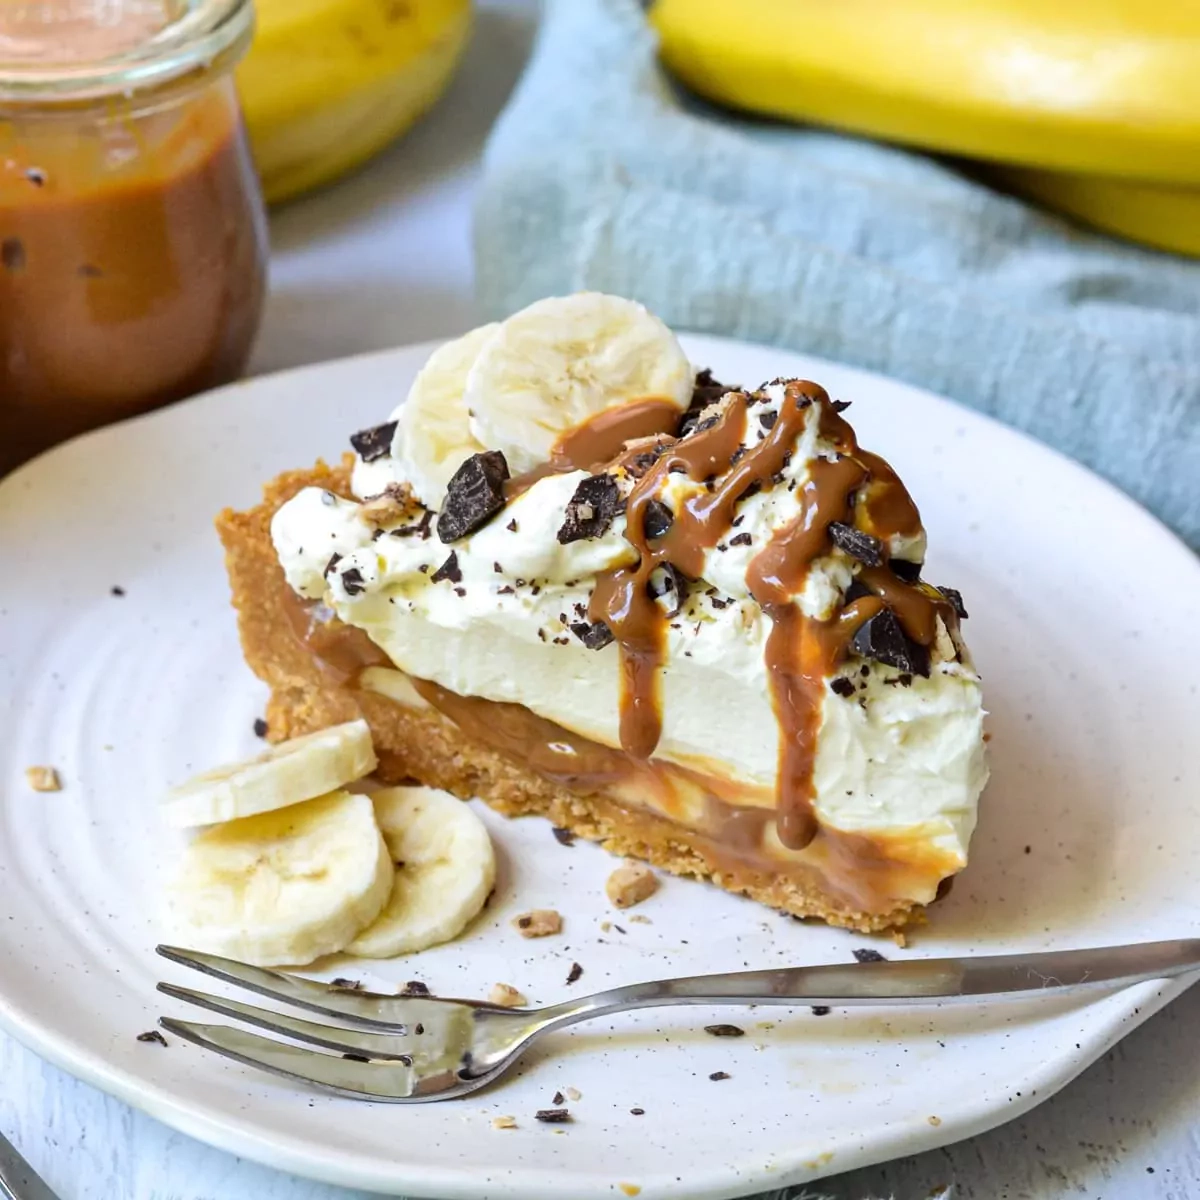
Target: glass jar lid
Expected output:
[70,50]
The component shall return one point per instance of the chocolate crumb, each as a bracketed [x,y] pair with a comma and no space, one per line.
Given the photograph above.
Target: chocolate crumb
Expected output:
[574,973]
[559,1098]
[353,582]
[717,1076]
[637,1112]
[512,525]
[867,549]
[334,559]
[36,176]
[867,955]
[117,591]
[658,519]
[591,509]
[740,539]
[956,600]
[414,987]
[594,635]
[497,568]
[904,679]
[342,984]
[883,638]
[910,572]
[843,686]
[152,1035]
[553,1116]
[564,837]
[840,406]
[374,443]
[420,1029]
[356,1057]
[1028,849]
[448,570]
[460,591]
[724,1030]
[506,590]
[260,727]
[474,495]
[717,602]
[12,254]
[821,1010]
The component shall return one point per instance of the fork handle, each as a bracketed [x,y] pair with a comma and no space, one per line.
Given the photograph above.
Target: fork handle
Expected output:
[928,980]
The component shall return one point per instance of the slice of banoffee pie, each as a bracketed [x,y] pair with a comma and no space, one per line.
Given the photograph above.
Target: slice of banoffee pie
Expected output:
[576,579]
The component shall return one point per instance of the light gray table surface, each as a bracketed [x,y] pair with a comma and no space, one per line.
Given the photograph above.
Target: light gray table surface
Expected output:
[382,259]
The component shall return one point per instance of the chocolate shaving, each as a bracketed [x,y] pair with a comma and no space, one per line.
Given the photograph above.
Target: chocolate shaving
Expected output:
[843,686]
[867,955]
[591,509]
[375,442]
[717,1076]
[342,984]
[334,559]
[840,406]
[821,1010]
[574,973]
[558,1098]
[414,987]
[637,1112]
[910,572]
[867,549]
[553,1116]
[724,1030]
[955,598]
[353,582]
[883,639]
[669,583]
[705,391]
[658,519]
[740,539]
[474,495]
[564,837]
[152,1035]
[448,570]
[595,635]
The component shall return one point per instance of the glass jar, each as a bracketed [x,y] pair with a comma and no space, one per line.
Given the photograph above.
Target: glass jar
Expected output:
[132,230]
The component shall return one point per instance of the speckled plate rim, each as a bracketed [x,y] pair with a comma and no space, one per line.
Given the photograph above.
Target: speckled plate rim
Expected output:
[330,1165]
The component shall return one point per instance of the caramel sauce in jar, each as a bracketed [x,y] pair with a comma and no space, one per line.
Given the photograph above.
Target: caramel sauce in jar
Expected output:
[132,231]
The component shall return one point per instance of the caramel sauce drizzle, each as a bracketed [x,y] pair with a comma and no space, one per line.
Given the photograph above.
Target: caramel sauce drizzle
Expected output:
[801,652]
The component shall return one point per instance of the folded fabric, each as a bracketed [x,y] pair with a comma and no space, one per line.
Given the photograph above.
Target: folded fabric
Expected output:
[602,175]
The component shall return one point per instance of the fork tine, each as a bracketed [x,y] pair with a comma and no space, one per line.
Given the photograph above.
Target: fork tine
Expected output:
[362,1008]
[345,1041]
[360,1081]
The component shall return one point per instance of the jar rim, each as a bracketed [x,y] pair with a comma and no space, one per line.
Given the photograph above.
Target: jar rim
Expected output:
[204,34]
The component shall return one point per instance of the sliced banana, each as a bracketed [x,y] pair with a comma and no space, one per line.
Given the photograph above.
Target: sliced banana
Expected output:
[551,366]
[445,870]
[433,437]
[285,774]
[283,888]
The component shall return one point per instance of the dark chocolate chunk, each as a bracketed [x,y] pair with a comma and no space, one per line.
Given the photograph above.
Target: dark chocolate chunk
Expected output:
[334,559]
[768,417]
[752,490]
[868,955]
[671,584]
[705,391]
[260,727]
[12,254]
[595,635]
[659,518]
[717,1076]
[414,987]
[904,679]
[883,639]
[724,1030]
[821,1010]
[864,547]
[840,406]
[420,1029]
[559,1098]
[152,1035]
[564,837]
[117,590]
[375,442]
[512,525]
[740,539]
[910,572]
[955,598]
[353,582]
[574,973]
[474,495]
[641,462]
[843,686]
[342,984]
[553,1116]
[591,509]
[356,1057]
[856,591]
[717,602]
[448,570]
[637,1112]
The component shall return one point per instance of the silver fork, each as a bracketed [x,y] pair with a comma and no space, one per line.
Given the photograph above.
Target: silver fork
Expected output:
[415,1048]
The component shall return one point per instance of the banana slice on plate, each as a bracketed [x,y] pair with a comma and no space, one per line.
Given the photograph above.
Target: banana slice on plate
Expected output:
[433,437]
[553,365]
[445,871]
[285,774]
[283,888]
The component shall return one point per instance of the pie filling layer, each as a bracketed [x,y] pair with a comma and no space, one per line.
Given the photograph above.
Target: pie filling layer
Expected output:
[722,624]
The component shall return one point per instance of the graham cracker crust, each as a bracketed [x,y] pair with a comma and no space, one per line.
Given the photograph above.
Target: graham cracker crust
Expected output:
[424,745]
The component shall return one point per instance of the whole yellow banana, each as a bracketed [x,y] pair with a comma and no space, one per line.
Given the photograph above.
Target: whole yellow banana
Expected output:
[1106,87]
[328,83]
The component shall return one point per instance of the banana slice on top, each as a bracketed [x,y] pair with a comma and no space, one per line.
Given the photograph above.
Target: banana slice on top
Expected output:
[553,365]
[283,888]
[445,871]
[433,437]
[285,774]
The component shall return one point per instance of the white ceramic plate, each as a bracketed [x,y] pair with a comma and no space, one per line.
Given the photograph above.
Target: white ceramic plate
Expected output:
[1084,614]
